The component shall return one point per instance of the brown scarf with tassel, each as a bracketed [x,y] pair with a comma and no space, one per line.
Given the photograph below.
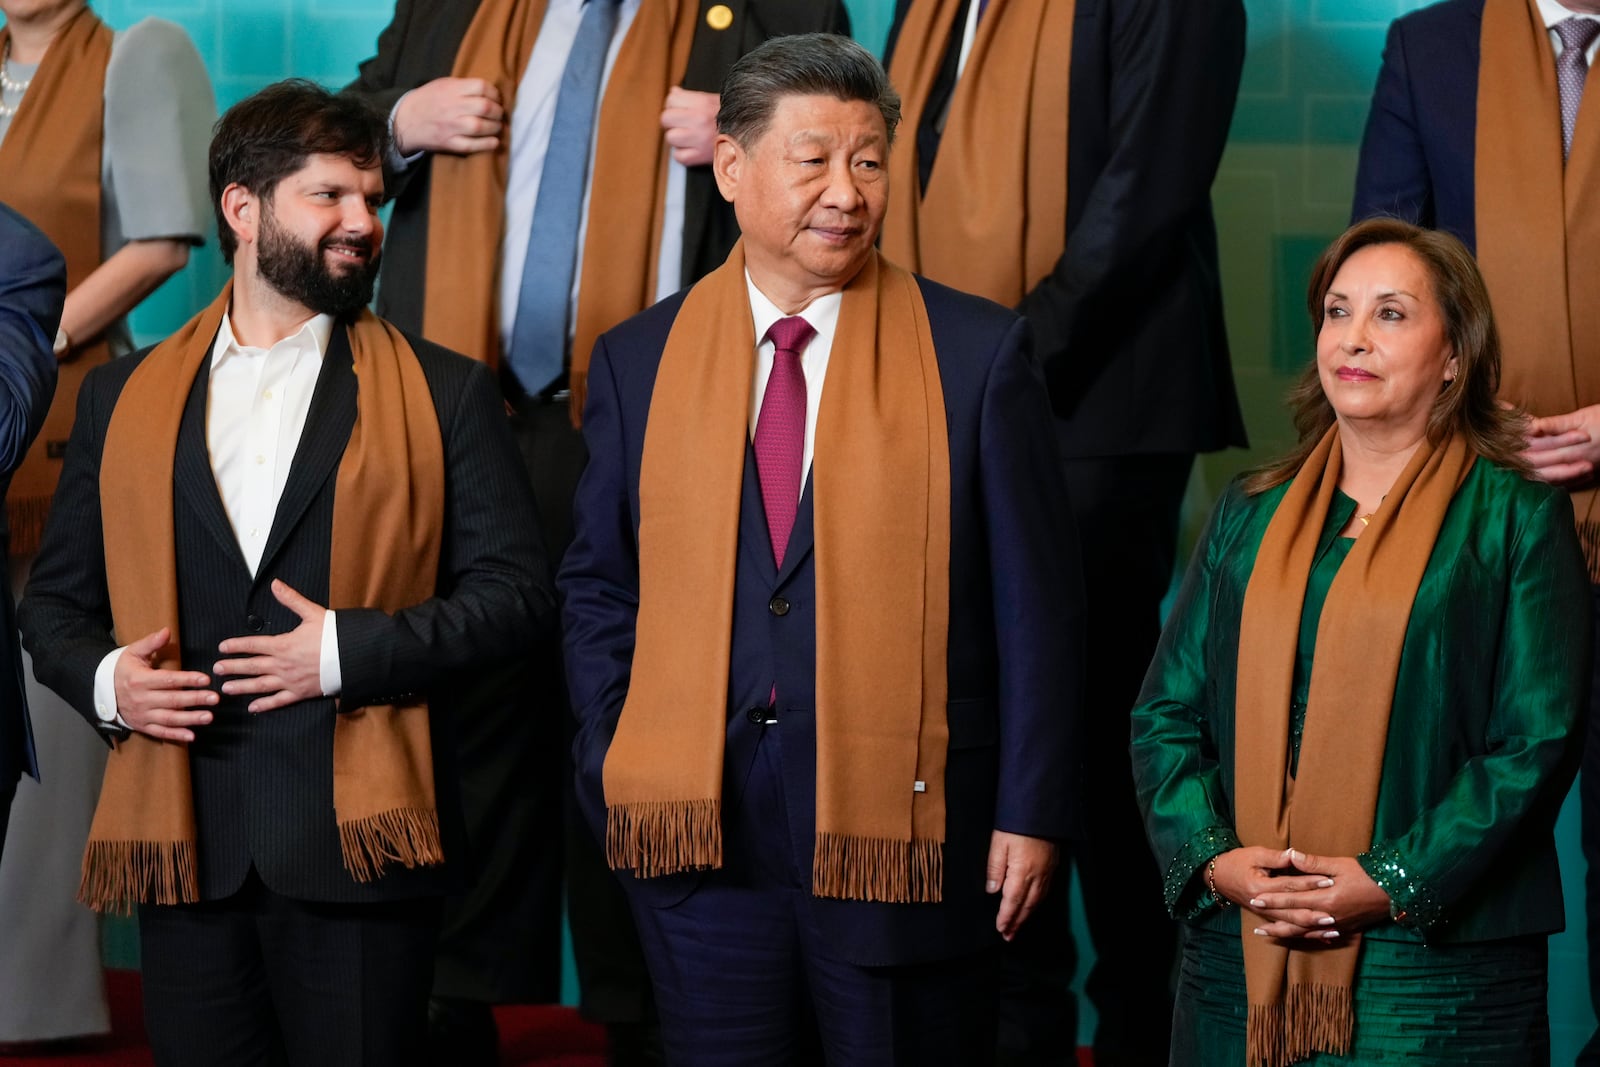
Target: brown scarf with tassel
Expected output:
[466,205]
[881,494]
[388,523]
[1300,1000]
[993,220]
[1538,226]
[50,173]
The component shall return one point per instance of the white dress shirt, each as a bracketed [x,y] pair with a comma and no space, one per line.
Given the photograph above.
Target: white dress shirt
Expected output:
[257,401]
[823,315]
[1553,12]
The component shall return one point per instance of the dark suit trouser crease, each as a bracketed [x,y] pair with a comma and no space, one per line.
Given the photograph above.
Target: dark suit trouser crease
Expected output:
[744,976]
[7,793]
[260,980]
[1126,509]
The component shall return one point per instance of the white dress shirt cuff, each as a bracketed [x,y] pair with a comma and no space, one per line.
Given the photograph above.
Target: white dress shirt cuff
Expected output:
[105,691]
[332,679]
[397,162]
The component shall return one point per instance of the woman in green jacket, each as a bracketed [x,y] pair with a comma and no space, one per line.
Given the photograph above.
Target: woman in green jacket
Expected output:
[1365,710]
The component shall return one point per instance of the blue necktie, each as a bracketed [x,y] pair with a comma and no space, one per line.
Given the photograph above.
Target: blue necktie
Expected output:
[539,332]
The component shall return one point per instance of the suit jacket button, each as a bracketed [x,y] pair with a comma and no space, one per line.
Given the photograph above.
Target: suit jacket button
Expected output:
[255,623]
[778,606]
[758,715]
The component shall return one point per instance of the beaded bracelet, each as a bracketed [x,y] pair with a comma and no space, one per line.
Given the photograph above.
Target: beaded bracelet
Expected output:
[1211,885]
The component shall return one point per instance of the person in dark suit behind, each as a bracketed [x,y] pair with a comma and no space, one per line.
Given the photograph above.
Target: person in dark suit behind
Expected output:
[1089,131]
[282,537]
[476,84]
[33,285]
[1475,128]
[823,640]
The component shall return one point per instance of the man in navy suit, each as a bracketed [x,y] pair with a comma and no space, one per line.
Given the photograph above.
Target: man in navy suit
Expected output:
[1424,158]
[755,952]
[33,283]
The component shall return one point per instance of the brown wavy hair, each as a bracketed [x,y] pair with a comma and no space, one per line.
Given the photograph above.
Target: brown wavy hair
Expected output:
[1466,406]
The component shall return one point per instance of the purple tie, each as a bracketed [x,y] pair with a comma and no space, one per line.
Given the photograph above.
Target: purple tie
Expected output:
[1572,69]
[781,431]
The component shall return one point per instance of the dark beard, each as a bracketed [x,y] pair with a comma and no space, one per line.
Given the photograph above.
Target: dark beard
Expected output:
[301,273]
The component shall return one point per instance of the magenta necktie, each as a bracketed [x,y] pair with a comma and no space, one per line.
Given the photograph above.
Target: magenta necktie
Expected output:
[781,431]
[1572,70]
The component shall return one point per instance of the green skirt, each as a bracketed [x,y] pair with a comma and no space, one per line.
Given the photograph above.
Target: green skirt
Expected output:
[1483,1003]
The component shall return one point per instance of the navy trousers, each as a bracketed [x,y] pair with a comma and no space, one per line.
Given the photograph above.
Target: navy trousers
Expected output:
[742,974]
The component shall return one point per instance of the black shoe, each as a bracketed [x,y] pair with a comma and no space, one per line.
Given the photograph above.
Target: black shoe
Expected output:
[461,1033]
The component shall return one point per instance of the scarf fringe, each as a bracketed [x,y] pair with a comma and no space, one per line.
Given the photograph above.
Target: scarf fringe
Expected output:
[849,867]
[119,874]
[1588,537]
[1266,1038]
[657,837]
[27,515]
[1319,1018]
[408,836]
[1312,1019]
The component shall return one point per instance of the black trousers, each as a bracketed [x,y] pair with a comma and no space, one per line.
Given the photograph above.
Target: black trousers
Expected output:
[613,980]
[501,941]
[1126,510]
[261,980]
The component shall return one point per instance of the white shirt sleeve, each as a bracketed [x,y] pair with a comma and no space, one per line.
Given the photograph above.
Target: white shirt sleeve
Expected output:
[332,678]
[105,691]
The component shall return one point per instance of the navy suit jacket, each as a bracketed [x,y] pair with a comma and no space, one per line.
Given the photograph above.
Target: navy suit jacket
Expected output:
[1420,147]
[1016,622]
[33,284]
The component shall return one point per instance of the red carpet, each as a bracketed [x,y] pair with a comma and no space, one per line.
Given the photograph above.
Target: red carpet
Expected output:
[530,1036]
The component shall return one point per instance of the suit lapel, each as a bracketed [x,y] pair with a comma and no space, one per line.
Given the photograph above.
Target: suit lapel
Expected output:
[800,537]
[193,480]
[322,442]
[753,519]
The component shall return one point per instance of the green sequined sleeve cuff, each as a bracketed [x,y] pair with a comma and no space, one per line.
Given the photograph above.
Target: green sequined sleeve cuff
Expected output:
[1185,890]
[1411,904]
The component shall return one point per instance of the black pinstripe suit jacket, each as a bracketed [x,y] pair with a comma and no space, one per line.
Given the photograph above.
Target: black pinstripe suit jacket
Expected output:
[263,784]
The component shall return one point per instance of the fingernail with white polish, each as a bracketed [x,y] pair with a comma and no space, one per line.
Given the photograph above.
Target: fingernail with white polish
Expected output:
[1326,920]
[1257,903]
[1326,883]
[1330,935]
[1259,932]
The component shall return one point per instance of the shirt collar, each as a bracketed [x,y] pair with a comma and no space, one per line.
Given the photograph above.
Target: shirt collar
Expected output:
[822,313]
[1553,12]
[311,339]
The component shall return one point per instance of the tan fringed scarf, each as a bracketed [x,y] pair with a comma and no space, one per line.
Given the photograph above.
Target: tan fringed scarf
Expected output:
[466,206]
[1300,1000]
[881,493]
[50,172]
[1538,225]
[388,522]
[993,220]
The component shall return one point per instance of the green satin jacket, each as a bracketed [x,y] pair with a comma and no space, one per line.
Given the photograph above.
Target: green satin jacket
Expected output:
[1484,736]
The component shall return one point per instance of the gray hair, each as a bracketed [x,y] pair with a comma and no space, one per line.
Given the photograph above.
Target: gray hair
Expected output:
[807,64]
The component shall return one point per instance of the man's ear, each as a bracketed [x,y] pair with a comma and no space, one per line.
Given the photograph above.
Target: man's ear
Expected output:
[241,209]
[727,162]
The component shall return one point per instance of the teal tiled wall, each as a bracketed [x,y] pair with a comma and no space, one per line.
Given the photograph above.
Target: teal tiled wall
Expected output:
[1283,191]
